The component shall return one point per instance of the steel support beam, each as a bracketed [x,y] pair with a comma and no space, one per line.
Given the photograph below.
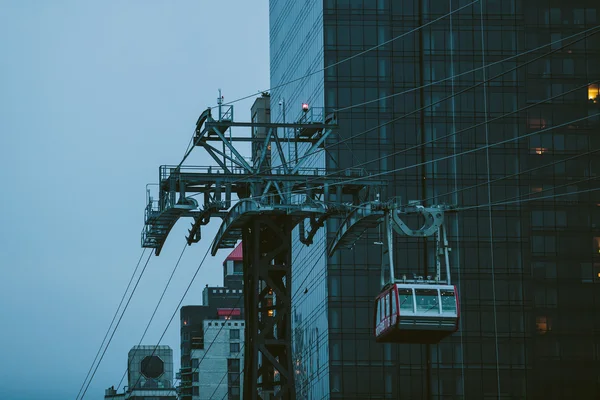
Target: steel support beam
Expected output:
[268,366]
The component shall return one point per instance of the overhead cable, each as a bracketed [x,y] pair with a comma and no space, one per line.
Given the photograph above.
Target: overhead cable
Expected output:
[117,325]
[111,323]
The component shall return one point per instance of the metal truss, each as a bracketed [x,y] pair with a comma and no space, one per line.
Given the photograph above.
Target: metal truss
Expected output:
[268,203]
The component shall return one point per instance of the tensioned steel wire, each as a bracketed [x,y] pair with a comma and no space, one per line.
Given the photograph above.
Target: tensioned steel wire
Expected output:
[489,193]
[320,255]
[306,351]
[227,319]
[154,312]
[516,202]
[383,173]
[211,343]
[428,106]
[359,54]
[477,149]
[551,196]
[335,64]
[227,374]
[178,307]
[206,352]
[218,333]
[444,99]
[308,275]
[117,325]
[485,123]
[214,340]
[188,151]
[455,170]
[336,143]
[595,29]
[504,202]
[483,67]
[514,175]
[452,96]
[111,322]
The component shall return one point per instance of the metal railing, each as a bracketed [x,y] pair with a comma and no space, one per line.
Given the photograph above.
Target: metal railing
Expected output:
[169,171]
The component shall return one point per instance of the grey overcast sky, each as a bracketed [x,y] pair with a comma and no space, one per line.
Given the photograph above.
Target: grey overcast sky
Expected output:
[94,96]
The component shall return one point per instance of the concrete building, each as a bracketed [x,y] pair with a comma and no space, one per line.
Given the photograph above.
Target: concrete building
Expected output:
[261,113]
[224,303]
[525,246]
[222,361]
[149,375]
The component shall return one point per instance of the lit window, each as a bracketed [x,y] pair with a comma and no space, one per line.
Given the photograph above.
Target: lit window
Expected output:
[539,150]
[597,244]
[536,189]
[536,123]
[543,325]
[594,92]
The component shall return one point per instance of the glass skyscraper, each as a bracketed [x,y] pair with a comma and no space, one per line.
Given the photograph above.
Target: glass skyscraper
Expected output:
[461,102]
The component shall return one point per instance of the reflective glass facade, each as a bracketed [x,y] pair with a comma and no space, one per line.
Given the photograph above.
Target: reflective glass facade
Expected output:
[528,270]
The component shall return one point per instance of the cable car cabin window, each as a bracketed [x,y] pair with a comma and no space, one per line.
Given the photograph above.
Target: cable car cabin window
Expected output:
[427,301]
[379,317]
[394,307]
[406,298]
[387,305]
[448,301]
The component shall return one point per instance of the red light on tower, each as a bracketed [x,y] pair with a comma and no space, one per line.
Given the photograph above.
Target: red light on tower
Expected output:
[305,107]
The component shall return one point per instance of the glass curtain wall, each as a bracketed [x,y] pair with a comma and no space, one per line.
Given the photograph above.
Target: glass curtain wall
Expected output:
[523,132]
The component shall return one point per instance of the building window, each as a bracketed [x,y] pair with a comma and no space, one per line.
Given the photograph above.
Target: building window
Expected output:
[233,365]
[233,379]
[194,363]
[543,244]
[185,336]
[597,245]
[594,93]
[195,391]
[234,347]
[238,267]
[234,334]
[234,393]
[590,273]
[195,377]
[543,325]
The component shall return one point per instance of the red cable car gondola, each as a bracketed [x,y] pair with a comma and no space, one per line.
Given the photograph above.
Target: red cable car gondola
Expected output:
[416,313]
[420,310]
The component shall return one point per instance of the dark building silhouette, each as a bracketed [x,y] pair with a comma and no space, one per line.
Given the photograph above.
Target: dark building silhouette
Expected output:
[496,103]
